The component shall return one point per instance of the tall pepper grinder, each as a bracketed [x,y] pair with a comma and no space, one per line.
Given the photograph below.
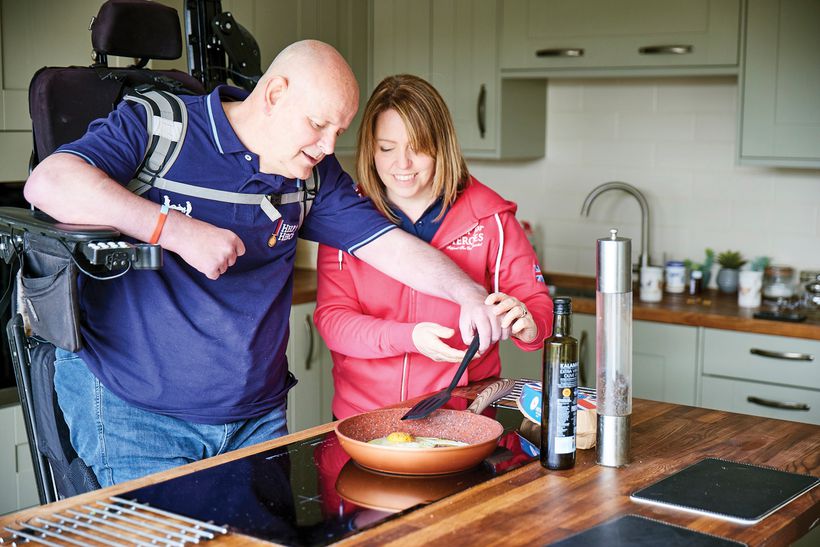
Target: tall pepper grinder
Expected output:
[613,355]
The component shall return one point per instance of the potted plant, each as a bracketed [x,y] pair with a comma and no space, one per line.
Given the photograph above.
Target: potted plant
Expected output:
[730,262]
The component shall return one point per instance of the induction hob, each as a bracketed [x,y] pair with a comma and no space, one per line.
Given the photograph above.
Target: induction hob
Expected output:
[289,494]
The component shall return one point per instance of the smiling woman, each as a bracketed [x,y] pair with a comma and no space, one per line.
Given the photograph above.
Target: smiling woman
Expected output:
[391,343]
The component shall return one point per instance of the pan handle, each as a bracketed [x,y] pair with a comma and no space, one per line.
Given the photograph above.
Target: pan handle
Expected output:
[491,394]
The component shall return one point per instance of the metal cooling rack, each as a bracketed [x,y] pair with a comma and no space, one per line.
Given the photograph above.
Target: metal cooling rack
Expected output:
[114,522]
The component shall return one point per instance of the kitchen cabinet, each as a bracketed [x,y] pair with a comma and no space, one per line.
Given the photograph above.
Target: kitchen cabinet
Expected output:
[309,360]
[779,103]
[772,376]
[761,399]
[17,486]
[664,362]
[583,330]
[516,363]
[453,45]
[600,37]
[664,359]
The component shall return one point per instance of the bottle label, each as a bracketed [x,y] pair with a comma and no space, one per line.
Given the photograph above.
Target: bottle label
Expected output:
[567,407]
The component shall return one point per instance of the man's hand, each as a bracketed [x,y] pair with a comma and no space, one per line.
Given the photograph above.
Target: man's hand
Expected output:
[476,318]
[516,320]
[427,338]
[205,247]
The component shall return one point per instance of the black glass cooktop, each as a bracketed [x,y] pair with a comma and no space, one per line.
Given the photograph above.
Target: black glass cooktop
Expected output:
[310,493]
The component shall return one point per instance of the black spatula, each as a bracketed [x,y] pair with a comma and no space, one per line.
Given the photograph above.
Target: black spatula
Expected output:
[425,407]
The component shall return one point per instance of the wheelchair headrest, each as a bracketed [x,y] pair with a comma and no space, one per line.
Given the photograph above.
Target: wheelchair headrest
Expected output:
[142,29]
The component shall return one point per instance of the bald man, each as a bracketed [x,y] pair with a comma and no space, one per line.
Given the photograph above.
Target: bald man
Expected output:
[189,361]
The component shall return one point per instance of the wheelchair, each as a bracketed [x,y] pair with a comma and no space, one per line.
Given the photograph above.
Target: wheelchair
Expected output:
[50,255]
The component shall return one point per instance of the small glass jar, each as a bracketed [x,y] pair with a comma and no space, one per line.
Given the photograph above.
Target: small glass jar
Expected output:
[778,282]
[675,276]
[695,282]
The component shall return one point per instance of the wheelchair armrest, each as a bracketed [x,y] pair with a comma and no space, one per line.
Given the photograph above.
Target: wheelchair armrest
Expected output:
[17,219]
[96,244]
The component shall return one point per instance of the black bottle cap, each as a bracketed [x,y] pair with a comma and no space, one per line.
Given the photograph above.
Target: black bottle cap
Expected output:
[562,305]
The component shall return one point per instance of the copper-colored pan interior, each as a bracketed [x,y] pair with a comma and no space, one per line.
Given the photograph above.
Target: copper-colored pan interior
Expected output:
[480,432]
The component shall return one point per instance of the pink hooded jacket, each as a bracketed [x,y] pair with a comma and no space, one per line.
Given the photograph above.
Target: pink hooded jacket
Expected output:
[367,318]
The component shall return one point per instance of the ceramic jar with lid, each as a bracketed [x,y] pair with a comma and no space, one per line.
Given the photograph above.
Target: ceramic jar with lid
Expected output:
[778,282]
[675,276]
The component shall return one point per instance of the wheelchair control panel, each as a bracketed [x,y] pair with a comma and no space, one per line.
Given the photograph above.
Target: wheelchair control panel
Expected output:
[117,255]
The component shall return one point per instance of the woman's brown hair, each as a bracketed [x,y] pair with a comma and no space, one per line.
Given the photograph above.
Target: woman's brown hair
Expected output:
[430,130]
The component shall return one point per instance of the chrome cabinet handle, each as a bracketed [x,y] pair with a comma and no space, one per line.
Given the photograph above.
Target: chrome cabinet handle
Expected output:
[665,50]
[481,111]
[561,52]
[788,355]
[777,404]
[309,327]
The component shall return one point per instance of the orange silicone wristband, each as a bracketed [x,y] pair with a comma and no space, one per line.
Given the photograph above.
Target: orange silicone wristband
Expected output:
[163,216]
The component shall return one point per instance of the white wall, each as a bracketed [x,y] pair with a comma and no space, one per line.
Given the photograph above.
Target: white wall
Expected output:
[674,139]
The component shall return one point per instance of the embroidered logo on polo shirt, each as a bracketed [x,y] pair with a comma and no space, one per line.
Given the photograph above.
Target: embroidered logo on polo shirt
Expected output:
[469,241]
[184,209]
[283,232]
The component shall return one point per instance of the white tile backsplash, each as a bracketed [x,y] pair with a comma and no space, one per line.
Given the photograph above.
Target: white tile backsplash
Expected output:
[643,127]
[695,95]
[674,139]
[614,95]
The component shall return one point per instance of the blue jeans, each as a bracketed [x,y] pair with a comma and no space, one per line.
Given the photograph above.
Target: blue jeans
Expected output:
[121,442]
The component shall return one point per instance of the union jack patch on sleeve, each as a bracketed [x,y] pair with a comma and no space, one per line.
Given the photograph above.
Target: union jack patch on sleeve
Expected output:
[539,277]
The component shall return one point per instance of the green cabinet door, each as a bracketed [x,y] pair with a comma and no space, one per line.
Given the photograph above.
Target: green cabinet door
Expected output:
[18,488]
[453,44]
[340,23]
[780,102]
[516,363]
[664,359]
[698,36]
[306,360]
[664,362]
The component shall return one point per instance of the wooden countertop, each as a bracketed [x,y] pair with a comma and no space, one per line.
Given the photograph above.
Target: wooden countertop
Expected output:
[531,505]
[712,309]
[304,286]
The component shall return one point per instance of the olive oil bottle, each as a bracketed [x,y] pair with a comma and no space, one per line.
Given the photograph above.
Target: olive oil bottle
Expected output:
[559,400]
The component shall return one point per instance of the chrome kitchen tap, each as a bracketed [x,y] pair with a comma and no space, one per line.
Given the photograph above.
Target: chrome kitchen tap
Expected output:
[643,259]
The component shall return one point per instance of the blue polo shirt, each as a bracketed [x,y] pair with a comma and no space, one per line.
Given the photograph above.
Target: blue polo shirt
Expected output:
[427,225]
[173,341]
